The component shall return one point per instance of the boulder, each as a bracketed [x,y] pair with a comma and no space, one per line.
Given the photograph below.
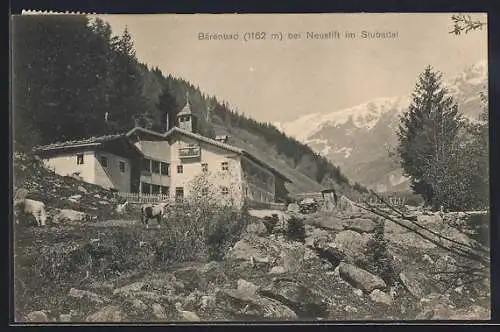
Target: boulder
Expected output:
[428,259]
[410,281]
[65,318]
[329,222]
[151,296]
[446,263]
[277,270]
[360,225]
[82,189]
[352,244]
[293,207]
[68,215]
[200,276]
[89,296]
[207,301]
[409,240]
[110,313]
[475,312]
[380,297]
[292,259]
[75,198]
[253,306]
[164,284]
[250,249]
[360,278]
[358,292]
[330,253]
[301,299]
[429,219]
[257,228]
[317,237]
[443,311]
[159,311]
[139,305]
[103,286]
[129,289]
[37,317]
[351,309]
[247,287]
[392,227]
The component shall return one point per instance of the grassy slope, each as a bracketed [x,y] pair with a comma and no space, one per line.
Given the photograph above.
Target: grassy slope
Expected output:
[257,146]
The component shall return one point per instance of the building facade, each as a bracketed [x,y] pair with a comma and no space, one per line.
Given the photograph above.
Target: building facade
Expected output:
[108,161]
[186,164]
[179,163]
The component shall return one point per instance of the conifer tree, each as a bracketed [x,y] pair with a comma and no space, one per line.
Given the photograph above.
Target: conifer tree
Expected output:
[428,139]
[168,108]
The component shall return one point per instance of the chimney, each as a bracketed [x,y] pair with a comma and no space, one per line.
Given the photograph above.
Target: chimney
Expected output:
[136,122]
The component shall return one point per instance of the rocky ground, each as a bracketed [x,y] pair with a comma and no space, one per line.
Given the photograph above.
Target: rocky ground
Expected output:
[108,268]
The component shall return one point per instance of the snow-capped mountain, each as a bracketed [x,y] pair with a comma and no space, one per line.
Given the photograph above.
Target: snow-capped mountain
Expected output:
[359,138]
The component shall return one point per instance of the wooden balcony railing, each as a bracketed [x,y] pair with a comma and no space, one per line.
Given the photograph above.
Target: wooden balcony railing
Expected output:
[189,152]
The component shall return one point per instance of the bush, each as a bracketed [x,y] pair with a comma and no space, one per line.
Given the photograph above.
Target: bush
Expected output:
[379,259]
[296,230]
[201,231]
[270,222]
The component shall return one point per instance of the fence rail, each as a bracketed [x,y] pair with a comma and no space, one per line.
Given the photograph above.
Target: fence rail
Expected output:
[316,195]
[143,198]
[266,205]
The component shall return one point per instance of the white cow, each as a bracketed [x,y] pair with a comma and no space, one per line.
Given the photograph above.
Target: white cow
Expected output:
[34,208]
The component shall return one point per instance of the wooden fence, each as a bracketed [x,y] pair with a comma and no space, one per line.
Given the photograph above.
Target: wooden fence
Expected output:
[143,198]
[265,205]
[316,195]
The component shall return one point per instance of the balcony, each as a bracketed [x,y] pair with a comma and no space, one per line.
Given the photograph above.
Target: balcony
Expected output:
[189,152]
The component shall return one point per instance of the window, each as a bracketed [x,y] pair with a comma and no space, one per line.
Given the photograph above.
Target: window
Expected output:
[204,167]
[155,189]
[179,193]
[155,166]
[104,161]
[164,168]
[165,190]
[180,169]
[146,188]
[225,165]
[79,159]
[146,165]
[225,190]
[204,191]
[122,166]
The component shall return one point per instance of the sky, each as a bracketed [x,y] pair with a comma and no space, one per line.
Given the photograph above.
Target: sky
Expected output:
[281,79]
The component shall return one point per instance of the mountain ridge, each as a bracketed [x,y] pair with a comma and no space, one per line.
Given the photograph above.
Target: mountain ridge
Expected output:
[359,138]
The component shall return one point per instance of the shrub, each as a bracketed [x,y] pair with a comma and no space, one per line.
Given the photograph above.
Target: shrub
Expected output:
[379,259]
[225,229]
[296,230]
[200,231]
[270,222]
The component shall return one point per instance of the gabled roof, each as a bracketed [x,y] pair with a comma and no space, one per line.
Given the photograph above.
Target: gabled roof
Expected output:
[211,142]
[87,142]
[204,139]
[144,130]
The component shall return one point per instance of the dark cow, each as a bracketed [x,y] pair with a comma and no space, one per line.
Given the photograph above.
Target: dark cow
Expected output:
[152,211]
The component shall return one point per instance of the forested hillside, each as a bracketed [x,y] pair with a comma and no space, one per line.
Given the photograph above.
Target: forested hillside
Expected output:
[68,71]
